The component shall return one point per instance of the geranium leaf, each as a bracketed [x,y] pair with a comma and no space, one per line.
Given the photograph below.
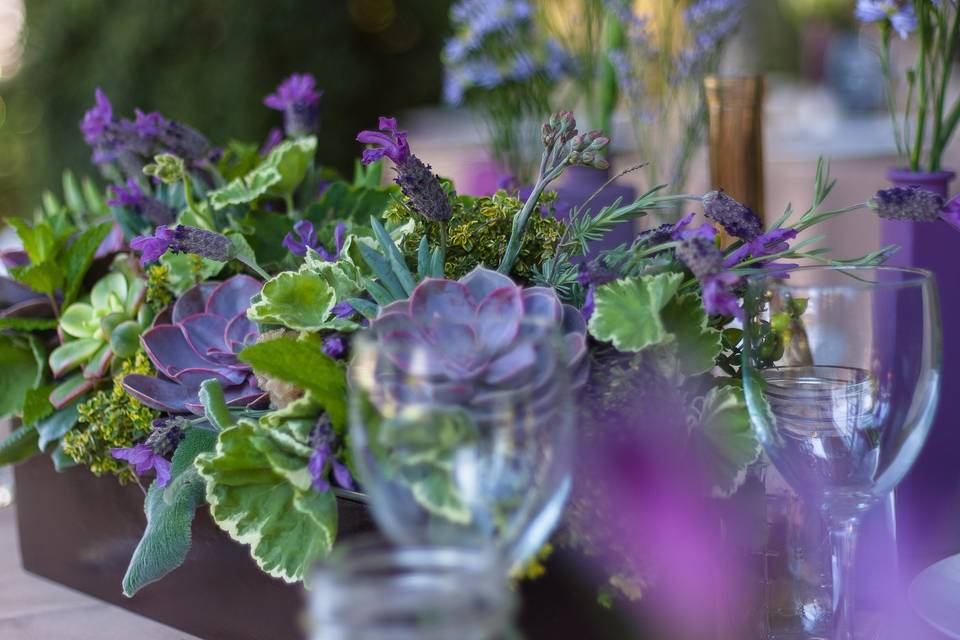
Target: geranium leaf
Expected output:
[18,373]
[245,189]
[304,365]
[78,257]
[727,442]
[627,311]
[166,540]
[287,528]
[290,159]
[697,344]
[297,300]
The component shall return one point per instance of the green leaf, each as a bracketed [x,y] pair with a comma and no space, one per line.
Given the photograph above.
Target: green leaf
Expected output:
[28,324]
[70,355]
[390,250]
[36,404]
[79,320]
[265,232]
[183,272]
[45,277]
[61,459]
[297,300]
[627,311]
[166,539]
[727,441]
[18,373]
[291,159]
[69,390]
[245,189]
[304,365]
[71,193]
[436,491]
[364,307]
[54,427]
[343,201]
[79,256]
[19,445]
[287,528]
[215,405]
[94,198]
[697,344]
[39,241]
[381,268]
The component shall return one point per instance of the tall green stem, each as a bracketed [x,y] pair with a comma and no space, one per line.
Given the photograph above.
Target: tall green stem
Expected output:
[943,130]
[922,104]
[889,88]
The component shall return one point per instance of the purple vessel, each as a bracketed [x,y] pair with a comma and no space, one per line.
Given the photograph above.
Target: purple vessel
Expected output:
[929,498]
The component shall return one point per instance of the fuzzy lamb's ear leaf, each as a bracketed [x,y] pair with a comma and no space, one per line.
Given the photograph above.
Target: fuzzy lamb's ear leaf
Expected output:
[166,540]
[287,528]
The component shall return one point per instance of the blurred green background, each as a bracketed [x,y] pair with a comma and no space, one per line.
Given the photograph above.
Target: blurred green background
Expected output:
[207,63]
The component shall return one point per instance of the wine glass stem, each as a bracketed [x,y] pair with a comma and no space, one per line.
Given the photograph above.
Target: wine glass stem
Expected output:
[843,537]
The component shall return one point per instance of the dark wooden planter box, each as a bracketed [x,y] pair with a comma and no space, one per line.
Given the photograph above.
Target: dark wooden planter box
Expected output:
[80,531]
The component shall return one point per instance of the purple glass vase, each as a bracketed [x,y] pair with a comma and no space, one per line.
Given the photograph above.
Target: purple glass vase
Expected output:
[929,498]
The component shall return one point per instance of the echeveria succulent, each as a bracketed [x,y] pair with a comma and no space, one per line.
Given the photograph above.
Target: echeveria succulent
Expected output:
[199,340]
[93,331]
[464,342]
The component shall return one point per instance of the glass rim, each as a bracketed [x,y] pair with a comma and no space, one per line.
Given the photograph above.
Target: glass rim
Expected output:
[920,277]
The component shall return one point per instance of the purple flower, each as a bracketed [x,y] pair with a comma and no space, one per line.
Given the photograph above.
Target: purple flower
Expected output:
[144,458]
[303,237]
[131,195]
[148,125]
[698,251]
[152,247]
[899,13]
[737,219]
[342,309]
[97,120]
[322,460]
[593,275]
[183,239]
[773,241]
[297,98]
[274,138]
[334,346]
[907,203]
[391,142]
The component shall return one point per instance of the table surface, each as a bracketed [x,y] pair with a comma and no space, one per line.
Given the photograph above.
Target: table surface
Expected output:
[32,608]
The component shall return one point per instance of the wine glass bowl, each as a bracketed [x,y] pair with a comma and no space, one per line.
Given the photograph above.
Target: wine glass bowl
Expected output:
[841,372]
[465,457]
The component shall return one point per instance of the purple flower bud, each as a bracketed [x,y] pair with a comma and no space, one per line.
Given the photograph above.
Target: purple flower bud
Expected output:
[334,346]
[907,203]
[274,137]
[391,142]
[700,254]
[298,98]
[183,239]
[143,458]
[166,434]
[184,142]
[423,189]
[738,220]
[317,467]
[97,120]
[303,237]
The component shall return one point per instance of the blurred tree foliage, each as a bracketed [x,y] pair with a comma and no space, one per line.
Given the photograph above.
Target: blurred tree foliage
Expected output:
[208,63]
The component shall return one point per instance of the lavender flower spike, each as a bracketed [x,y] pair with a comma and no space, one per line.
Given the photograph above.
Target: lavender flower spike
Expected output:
[97,120]
[737,219]
[416,179]
[184,239]
[297,97]
[907,203]
[699,252]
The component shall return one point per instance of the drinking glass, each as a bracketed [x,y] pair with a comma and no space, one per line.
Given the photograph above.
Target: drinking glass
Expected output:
[841,369]
[456,447]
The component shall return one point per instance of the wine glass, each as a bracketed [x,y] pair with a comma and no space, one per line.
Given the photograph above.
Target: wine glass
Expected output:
[460,447]
[841,369]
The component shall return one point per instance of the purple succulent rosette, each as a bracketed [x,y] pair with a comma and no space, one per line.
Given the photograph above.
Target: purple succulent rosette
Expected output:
[472,343]
[199,339]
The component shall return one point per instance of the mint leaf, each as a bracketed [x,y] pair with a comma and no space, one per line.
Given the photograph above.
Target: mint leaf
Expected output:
[18,373]
[627,311]
[166,540]
[36,404]
[79,256]
[45,277]
[27,324]
[39,241]
[304,365]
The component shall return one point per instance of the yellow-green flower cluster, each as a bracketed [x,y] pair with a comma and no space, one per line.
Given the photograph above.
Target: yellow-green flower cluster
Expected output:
[478,231]
[158,293]
[111,418]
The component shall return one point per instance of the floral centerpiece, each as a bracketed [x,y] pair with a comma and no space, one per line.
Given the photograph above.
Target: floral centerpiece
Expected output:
[190,330]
